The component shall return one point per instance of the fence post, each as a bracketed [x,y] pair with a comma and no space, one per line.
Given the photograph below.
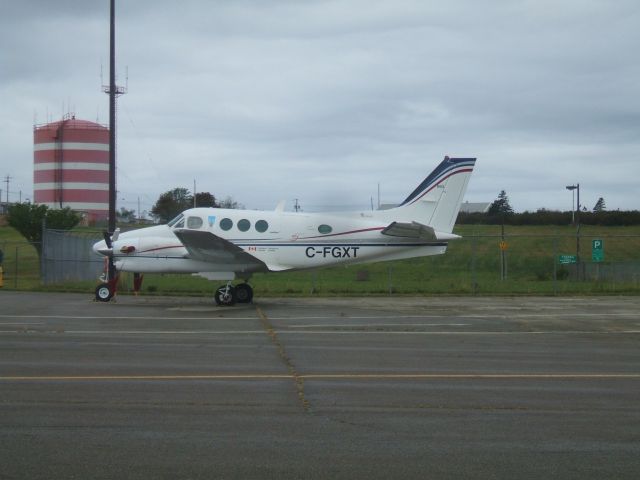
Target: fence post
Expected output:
[15,275]
[474,283]
[555,265]
[43,250]
[503,255]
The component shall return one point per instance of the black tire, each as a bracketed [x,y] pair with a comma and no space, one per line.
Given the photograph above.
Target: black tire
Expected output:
[103,293]
[223,298]
[244,293]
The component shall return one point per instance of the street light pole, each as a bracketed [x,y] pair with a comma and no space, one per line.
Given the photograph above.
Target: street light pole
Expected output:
[578,231]
[575,220]
[573,202]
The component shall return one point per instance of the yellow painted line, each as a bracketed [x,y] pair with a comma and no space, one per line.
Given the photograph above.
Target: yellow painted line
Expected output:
[334,376]
[143,377]
[436,376]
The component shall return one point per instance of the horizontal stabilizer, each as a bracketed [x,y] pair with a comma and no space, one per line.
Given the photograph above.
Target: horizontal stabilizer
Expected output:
[416,230]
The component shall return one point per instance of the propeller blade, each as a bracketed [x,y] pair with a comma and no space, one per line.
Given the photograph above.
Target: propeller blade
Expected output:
[107,239]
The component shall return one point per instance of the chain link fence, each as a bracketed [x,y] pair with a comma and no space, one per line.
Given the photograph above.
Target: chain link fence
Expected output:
[488,264]
[20,268]
[68,256]
[475,264]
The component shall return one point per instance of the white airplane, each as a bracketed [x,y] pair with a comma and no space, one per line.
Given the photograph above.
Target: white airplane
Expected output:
[225,244]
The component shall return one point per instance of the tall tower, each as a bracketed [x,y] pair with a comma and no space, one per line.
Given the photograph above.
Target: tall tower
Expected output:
[113,91]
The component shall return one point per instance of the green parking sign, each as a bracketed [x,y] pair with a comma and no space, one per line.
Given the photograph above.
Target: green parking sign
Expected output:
[597,250]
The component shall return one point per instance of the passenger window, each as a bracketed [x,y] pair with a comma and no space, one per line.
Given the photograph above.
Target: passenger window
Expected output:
[262,226]
[226,224]
[194,222]
[244,225]
[324,229]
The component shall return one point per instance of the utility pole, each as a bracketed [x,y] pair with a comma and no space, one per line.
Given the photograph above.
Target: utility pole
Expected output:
[6,180]
[113,90]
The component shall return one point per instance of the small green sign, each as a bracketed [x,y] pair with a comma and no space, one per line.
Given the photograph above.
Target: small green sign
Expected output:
[566,259]
[597,250]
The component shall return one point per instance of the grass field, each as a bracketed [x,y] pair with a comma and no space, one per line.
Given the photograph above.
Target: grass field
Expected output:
[471,265]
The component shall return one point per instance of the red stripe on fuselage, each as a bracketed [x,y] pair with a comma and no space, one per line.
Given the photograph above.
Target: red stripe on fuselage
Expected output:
[161,248]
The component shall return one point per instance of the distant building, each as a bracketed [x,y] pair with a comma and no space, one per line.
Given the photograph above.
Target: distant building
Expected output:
[71,166]
[475,207]
[466,207]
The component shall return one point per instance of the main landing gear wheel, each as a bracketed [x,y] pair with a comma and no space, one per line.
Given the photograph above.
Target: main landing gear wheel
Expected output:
[225,295]
[103,292]
[244,293]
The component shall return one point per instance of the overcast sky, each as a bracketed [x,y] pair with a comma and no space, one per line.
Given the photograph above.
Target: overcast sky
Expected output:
[322,100]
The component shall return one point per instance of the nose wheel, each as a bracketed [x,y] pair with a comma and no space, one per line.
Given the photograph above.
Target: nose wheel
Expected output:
[104,292]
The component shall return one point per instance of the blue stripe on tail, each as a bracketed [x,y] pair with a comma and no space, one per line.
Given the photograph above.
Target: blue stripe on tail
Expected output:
[440,172]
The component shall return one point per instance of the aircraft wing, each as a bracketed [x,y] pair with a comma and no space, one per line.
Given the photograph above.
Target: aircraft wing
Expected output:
[207,247]
[416,230]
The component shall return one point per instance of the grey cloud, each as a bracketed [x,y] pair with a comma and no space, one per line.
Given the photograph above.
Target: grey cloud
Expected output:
[309,97]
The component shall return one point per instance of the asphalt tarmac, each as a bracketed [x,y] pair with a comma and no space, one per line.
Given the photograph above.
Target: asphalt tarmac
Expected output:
[443,387]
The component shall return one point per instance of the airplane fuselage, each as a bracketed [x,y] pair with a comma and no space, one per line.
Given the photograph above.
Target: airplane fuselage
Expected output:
[280,240]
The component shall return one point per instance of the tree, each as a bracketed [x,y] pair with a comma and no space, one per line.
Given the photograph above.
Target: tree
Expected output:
[174,201]
[205,199]
[229,202]
[126,216]
[27,219]
[500,205]
[600,206]
[171,203]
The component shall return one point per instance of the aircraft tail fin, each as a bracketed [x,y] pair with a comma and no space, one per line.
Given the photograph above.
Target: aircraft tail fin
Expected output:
[436,201]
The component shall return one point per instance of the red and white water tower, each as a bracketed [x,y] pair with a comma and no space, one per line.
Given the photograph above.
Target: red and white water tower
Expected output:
[71,166]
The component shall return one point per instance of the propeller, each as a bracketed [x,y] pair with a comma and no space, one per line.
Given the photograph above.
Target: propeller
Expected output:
[109,238]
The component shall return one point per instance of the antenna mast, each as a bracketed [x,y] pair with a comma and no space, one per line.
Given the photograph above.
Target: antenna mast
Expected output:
[113,90]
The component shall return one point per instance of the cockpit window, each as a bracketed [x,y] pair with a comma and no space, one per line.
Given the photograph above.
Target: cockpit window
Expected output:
[194,222]
[176,220]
